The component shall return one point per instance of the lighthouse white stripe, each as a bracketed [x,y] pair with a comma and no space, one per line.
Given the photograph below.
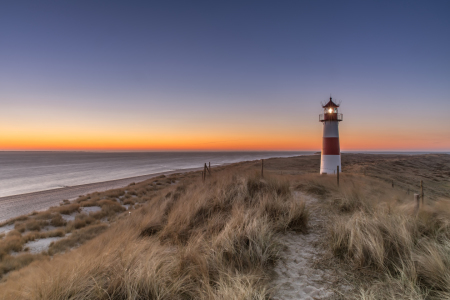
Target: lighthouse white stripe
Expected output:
[330,129]
[329,163]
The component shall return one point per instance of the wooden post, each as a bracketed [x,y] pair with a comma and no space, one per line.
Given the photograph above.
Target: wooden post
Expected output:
[209,168]
[392,183]
[417,200]
[262,168]
[204,171]
[337,173]
[421,191]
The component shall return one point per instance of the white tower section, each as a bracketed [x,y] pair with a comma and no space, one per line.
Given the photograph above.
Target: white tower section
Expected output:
[331,154]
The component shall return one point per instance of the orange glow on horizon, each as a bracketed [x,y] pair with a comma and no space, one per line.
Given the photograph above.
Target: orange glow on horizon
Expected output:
[240,135]
[276,143]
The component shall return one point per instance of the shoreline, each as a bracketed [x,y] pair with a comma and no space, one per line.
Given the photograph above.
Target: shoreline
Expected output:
[23,204]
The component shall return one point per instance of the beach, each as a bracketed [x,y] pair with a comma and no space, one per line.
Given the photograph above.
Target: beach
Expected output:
[17,205]
[33,181]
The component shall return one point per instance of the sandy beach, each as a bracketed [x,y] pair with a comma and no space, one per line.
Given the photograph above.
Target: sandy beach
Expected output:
[16,205]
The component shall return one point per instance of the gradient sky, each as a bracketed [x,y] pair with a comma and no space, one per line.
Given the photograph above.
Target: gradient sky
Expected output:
[210,75]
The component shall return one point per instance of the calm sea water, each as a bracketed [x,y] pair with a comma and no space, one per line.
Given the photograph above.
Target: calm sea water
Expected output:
[26,172]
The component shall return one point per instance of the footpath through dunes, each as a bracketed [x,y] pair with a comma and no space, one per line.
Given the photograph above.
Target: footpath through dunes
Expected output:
[297,274]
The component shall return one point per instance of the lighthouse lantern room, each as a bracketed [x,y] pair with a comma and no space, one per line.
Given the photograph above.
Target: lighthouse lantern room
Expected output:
[331,153]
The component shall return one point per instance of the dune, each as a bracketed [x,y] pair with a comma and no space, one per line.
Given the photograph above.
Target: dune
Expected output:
[292,234]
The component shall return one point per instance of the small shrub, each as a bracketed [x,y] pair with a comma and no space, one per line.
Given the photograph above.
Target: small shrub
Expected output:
[11,242]
[128,202]
[67,209]
[31,225]
[43,216]
[58,221]
[80,221]
[298,217]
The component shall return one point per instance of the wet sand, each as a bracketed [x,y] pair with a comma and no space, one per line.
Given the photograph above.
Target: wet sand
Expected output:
[17,205]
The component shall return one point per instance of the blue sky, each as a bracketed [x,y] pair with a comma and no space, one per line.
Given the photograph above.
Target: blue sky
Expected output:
[255,64]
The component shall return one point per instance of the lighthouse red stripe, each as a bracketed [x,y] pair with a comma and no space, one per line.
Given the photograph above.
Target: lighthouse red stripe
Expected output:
[331,146]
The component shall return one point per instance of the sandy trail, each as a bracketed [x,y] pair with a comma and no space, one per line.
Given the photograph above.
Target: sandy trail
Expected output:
[295,274]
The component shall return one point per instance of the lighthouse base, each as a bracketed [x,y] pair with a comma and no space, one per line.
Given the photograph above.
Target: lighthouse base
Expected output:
[329,163]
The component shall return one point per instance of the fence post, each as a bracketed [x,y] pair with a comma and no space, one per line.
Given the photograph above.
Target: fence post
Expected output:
[417,200]
[337,173]
[262,168]
[209,168]
[392,183]
[421,192]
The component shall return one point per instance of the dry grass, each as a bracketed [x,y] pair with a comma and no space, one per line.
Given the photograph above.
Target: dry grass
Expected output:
[216,240]
[80,221]
[57,221]
[11,263]
[376,228]
[14,242]
[76,239]
[11,242]
[66,209]
[200,241]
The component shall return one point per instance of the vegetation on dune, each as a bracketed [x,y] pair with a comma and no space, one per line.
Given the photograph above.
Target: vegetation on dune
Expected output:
[377,229]
[218,239]
[199,241]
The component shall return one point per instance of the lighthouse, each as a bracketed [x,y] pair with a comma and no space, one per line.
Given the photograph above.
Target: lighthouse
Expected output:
[331,153]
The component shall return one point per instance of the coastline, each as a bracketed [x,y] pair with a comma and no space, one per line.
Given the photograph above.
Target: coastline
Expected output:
[23,204]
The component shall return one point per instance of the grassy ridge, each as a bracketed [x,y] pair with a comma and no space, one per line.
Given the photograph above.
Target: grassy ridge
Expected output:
[398,252]
[199,241]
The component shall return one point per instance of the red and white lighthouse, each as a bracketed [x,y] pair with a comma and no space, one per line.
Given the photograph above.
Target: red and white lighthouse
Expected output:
[331,152]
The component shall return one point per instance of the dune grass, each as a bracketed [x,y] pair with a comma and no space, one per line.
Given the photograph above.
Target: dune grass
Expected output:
[198,241]
[52,223]
[217,240]
[377,230]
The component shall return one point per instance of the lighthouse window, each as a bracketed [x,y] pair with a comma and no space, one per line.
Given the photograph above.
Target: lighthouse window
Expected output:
[330,110]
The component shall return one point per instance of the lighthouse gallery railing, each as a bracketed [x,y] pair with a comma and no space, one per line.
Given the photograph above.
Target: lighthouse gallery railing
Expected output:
[330,117]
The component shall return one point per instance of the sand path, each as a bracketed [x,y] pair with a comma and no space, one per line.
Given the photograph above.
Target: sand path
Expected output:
[296,277]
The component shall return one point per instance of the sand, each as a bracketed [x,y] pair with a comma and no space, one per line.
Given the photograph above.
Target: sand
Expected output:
[40,245]
[296,277]
[17,205]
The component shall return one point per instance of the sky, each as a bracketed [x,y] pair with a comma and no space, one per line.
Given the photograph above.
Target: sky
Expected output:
[223,75]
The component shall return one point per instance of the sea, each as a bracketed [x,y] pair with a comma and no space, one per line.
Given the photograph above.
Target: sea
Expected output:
[27,172]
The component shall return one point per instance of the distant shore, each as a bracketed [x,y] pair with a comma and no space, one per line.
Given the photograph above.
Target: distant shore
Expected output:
[22,204]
